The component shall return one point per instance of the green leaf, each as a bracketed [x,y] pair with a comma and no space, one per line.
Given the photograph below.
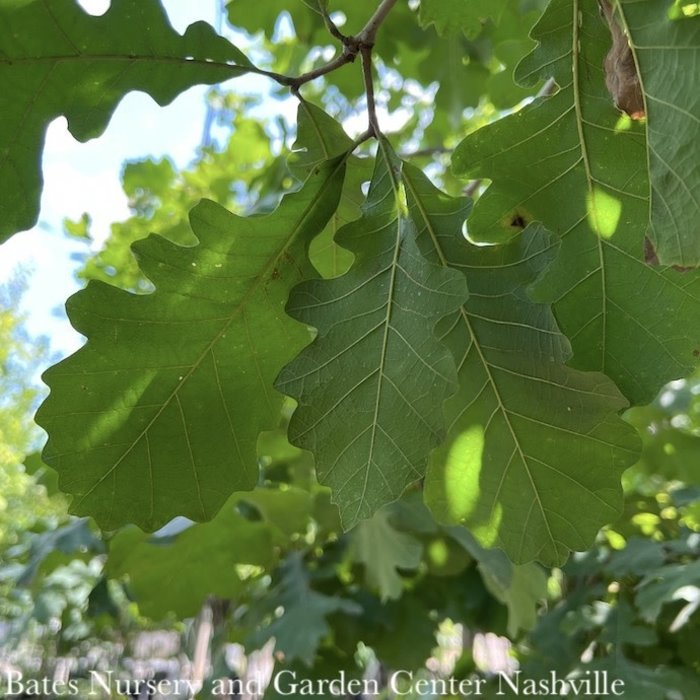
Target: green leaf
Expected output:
[319,138]
[299,631]
[461,79]
[383,549]
[159,413]
[575,163]
[43,475]
[254,16]
[58,60]
[451,16]
[165,573]
[520,588]
[492,561]
[647,682]
[666,584]
[54,548]
[667,52]
[535,450]
[288,510]
[522,596]
[401,632]
[371,386]
[639,555]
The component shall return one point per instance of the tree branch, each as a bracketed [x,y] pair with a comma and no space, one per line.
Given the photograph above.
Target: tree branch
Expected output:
[347,56]
[330,25]
[361,44]
[368,35]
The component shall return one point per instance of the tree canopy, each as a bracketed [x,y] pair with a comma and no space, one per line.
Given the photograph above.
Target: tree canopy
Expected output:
[393,363]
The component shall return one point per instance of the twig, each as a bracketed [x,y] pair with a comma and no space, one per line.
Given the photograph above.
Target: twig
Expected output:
[369,32]
[331,25]
[347,56]
[471,187]
[361,44]
[352,46]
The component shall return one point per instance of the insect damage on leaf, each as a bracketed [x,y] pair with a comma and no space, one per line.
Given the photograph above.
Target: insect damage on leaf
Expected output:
[517,220]
[621,77]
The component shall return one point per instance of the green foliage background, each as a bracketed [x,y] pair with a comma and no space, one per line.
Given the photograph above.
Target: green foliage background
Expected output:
[375,426]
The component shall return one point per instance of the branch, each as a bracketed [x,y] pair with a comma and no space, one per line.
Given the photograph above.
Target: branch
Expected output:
[330,24]
[369,33]
[347,56]
[361,44]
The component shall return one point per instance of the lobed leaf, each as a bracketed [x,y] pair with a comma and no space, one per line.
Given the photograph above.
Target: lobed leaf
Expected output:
[667,53]
[159,413]
[452,16]
[55,60]
[522,596]
[299,632]
[165,571]
[383,549]
[535,449]
[575,163]
[371,386]
[320,138]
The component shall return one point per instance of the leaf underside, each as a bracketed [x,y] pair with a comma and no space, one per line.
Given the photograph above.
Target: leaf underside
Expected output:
[668,54]
[370,387]
[535,449]
[55,60]
[573,162]
[159,413]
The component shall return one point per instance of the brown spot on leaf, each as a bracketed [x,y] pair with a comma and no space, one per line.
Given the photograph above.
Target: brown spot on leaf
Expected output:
[650,257]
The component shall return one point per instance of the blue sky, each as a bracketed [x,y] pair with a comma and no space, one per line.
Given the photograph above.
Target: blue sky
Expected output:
[85,178]
[82,178]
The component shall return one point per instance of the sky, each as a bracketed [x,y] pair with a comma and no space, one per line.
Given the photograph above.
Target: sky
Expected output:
[86,178]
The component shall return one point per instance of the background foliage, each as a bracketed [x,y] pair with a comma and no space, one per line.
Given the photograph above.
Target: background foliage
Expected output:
[311,415]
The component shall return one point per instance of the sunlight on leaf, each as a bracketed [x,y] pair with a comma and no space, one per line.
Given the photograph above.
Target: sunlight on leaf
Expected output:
[159,413]
[554,447]
[604,212]
[371,385]
[554,158]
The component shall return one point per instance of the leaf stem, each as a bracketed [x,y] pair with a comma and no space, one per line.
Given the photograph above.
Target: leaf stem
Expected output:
[366,53]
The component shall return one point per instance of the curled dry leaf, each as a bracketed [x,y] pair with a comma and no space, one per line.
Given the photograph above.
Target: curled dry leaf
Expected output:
[621,75]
